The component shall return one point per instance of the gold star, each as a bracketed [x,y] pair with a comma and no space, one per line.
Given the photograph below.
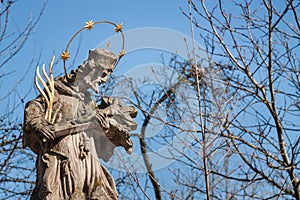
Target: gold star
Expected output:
[65,55]
[118,28]
[89,25]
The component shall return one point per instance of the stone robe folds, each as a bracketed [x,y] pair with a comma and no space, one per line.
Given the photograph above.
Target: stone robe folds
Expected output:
[67,166]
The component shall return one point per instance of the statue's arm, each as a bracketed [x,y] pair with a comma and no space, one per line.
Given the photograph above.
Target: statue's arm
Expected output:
[91,120]
[36,128]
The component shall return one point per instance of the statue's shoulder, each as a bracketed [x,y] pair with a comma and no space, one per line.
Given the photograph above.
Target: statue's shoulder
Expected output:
[37,102]
[65,87]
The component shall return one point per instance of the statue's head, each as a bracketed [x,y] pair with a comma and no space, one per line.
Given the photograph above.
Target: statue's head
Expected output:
[95,70]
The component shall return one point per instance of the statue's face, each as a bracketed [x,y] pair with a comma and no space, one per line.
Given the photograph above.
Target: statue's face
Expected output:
[95,70]
[92,76]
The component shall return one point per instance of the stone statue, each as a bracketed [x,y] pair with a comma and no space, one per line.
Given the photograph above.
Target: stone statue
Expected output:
[80,130]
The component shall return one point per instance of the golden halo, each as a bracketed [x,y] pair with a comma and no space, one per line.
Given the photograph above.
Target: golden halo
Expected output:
[89,25]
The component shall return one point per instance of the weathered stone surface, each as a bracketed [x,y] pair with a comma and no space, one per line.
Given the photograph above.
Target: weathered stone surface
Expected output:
[80,131]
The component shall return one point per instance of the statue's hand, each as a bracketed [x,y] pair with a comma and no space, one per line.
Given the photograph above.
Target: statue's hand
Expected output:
[46,130]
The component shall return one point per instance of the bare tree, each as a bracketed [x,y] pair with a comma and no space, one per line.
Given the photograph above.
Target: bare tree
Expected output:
[16,178]
[255,45]
[240,115]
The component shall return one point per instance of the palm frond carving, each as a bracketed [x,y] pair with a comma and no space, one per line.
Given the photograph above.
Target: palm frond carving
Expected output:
[48,92]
